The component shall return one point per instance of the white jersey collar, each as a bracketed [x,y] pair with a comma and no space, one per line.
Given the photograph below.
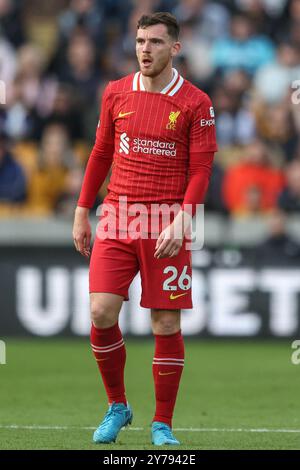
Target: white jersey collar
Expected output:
[172,87]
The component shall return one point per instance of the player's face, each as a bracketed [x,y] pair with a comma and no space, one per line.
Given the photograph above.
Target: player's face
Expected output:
[155,49]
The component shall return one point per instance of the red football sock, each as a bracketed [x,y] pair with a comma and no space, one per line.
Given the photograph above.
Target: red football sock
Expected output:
[167,369]
[109,350]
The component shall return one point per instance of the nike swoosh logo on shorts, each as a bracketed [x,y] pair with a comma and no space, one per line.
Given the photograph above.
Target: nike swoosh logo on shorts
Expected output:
[174,297]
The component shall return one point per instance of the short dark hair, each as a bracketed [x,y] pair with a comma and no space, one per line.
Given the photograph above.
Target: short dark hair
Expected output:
[161,17]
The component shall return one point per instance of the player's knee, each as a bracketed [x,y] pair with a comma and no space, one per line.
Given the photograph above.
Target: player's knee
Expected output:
[165,324]
[102,315]
[166,329]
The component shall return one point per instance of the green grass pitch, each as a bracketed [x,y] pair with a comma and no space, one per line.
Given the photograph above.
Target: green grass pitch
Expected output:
[233,395]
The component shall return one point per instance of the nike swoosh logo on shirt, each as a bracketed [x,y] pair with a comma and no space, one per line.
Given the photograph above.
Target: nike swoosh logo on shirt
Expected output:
[121,115]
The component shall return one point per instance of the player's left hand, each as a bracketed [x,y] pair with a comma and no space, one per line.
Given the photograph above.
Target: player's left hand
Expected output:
[166,245]
[169,241]
[171,238]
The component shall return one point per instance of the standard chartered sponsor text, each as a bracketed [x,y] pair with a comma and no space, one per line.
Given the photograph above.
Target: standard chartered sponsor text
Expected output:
[154,147]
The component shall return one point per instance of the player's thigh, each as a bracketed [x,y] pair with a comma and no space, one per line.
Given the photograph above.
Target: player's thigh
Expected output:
[113,266]
[166,282]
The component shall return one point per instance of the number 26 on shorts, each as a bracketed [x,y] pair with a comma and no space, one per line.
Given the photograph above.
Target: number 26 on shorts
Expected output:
[184,280]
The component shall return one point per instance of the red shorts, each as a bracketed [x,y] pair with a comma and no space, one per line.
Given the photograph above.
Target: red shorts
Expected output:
[166,282]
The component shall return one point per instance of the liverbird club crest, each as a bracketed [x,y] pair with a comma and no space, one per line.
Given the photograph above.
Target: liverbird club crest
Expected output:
[172,120]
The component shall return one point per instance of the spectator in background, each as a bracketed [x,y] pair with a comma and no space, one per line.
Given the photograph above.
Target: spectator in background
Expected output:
[294,8]
[56,161]
[294,33]
[289,198]
[38,90]
[243,49]
[253,185]
[88,14]
[202,22]
[65,111]
[29,96]
[68,198]
[8,61]
[279,248]
[276,124]
[211,19]
[235,121]
[291,23]
[118,11]
[18,120]
[11,22]
[12,177]
[81,70]
[273,81]
[265,13]
[196,50]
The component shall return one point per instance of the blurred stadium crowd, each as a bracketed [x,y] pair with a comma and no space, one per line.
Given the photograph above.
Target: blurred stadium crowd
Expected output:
[57,56]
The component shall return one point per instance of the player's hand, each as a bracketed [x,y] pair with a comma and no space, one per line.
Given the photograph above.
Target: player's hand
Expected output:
[167,245]
[82,231]
[171,238]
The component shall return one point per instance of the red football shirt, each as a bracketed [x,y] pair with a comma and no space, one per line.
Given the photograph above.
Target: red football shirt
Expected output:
[150,140]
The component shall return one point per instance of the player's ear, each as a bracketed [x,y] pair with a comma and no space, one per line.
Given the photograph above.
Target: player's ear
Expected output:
[175,49]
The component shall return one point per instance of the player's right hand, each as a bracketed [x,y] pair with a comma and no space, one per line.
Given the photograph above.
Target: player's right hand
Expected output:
[82,233]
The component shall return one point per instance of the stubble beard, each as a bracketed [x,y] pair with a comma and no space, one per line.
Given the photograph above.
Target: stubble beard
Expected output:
[156,70]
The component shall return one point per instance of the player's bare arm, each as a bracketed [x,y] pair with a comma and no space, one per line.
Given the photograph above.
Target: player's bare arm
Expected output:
[82,231]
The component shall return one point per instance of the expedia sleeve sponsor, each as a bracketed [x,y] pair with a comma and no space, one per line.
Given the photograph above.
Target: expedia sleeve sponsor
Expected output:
[207,122]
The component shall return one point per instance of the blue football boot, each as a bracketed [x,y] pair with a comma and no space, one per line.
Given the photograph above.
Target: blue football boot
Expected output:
[117,416]
[162,435]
